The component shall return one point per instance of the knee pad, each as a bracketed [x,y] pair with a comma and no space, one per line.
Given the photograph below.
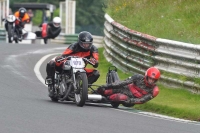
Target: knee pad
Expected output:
[96,73]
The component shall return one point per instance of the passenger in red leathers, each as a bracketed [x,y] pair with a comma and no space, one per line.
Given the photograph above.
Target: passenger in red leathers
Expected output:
[137,89]
[83,48]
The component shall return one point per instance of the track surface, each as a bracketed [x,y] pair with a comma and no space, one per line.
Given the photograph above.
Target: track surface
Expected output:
[26,108]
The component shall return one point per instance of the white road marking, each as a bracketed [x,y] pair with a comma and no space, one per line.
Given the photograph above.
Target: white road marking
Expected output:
[158,116]
[37,67]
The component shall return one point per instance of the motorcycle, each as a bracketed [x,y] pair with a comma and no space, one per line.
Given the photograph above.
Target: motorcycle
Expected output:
[13,33]
[95,97]
[71,84]
[10,27]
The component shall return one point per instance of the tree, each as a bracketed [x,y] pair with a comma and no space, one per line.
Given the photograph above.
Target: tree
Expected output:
[90,16]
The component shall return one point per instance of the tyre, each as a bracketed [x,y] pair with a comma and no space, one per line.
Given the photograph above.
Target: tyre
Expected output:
[54,99]
[10,33]
[114,105]
[128,105]
[82,89]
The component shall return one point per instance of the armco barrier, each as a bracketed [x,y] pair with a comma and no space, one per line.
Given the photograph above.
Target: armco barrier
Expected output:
[134,52]
[2,34]
[65,38]
[72,38]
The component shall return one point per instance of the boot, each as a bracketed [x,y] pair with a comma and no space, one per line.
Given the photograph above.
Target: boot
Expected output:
[48,81]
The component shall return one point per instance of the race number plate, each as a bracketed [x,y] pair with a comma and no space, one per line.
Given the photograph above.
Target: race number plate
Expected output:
[77,63]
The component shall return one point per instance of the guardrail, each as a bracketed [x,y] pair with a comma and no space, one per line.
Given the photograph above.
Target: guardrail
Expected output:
[72,38]
[65,38]
[2,34]
[134,52]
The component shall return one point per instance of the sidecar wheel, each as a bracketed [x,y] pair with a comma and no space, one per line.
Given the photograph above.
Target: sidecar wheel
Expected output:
[114,105]
[45,40]
[82,89]
[128,105]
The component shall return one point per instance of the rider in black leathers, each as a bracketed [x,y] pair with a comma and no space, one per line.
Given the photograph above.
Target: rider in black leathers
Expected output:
[54,29]
[83,48]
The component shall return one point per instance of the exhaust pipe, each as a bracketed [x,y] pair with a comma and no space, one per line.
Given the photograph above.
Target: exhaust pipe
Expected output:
[95,97]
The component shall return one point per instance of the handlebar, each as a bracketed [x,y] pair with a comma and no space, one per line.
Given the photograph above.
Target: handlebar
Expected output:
[68,57]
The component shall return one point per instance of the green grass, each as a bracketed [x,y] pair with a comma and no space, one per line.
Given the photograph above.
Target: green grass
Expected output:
[103,69]
[171,19]
[174,102]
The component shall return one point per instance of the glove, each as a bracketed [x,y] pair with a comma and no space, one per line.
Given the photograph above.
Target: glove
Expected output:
[93,61]
[58,58]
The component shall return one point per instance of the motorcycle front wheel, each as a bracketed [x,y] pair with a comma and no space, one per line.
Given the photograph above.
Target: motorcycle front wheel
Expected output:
[82,89]
[10,33]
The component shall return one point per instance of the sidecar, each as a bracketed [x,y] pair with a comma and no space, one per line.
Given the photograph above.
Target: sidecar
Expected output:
[95,97]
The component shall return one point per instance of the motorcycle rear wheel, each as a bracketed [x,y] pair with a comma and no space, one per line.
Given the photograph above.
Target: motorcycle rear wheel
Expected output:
[82,89]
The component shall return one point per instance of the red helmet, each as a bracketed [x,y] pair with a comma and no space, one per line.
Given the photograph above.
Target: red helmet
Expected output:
[152,75]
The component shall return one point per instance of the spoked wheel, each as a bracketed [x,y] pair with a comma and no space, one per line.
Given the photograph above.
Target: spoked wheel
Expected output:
[82,89]
[51,94]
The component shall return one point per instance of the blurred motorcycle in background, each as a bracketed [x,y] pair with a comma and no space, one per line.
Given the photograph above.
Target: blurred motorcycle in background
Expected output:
[13,32]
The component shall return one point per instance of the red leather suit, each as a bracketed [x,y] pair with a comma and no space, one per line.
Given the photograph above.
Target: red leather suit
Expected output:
[134,89]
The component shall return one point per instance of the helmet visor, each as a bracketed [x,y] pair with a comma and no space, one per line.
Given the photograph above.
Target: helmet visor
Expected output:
[56,24]
[86,45]
[151,81]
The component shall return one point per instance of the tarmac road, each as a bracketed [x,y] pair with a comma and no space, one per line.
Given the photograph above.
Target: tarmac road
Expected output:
[26,108]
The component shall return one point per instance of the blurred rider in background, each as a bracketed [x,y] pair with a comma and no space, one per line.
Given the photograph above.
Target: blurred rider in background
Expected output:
[22,18]
[54,28]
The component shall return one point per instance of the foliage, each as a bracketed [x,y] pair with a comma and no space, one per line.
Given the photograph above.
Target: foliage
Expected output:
[90,16]
[54,2]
